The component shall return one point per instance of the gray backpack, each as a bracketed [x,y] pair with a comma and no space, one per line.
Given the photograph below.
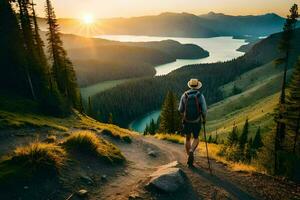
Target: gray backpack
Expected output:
[192,110]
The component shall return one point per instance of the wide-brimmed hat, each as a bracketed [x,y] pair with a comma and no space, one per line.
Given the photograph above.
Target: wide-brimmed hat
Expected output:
[194,84]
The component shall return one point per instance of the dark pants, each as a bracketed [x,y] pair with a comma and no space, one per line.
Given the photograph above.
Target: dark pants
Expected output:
[191,128]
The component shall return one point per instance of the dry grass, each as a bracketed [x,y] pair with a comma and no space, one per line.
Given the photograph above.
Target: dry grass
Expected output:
[88,142]
[34,160]
[108,129]
[170,137]
[213,149]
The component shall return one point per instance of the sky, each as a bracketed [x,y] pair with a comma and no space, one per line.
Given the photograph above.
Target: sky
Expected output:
[130,8]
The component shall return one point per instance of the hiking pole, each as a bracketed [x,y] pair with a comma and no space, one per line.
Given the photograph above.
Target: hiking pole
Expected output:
[210,170]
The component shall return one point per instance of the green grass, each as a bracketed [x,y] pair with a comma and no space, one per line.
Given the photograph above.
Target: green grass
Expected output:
[257,102]
[252,78]
[87,142]
[259,114]
[36,159]
[245,99]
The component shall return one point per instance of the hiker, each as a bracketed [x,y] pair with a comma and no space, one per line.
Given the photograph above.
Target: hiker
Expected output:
[193,108]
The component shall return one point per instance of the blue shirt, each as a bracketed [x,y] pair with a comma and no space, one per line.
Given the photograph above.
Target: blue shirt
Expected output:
[201,100]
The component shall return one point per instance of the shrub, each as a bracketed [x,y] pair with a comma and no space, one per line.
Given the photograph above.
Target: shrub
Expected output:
[36,159]
[87,142]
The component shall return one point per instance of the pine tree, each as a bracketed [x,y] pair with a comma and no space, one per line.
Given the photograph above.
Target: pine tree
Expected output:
[244,136]
[233,137]
[13,69]
[40,46]
[146,131]
[292,114]
[169,117]
[248,152]
[152,127]
[285,46]
[31,62]
[62,68]
[257,142]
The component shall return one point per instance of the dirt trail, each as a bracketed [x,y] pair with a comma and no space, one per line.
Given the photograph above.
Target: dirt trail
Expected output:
[140,165]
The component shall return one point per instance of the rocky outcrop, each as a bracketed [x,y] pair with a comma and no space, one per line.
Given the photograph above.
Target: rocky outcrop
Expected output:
[168,178]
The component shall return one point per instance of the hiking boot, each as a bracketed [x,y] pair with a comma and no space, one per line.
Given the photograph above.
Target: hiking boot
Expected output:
[190,161]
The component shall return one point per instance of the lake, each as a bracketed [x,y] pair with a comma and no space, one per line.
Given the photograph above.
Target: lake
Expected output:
[219,48]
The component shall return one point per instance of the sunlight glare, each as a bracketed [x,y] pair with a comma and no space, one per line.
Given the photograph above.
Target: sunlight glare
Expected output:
[88,19]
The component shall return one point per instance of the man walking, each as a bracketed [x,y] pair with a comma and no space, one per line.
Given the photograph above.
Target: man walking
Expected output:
[193,108]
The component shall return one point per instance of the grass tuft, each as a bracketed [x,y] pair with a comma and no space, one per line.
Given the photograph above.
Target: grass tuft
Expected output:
[125,138]
[170,137]
[87,142]
[34,160]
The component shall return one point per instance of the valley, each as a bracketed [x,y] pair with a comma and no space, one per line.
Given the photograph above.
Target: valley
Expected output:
[89,105]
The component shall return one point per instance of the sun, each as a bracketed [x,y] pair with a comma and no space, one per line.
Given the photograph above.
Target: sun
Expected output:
[88,19]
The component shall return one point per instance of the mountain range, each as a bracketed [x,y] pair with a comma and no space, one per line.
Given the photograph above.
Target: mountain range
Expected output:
[182,25]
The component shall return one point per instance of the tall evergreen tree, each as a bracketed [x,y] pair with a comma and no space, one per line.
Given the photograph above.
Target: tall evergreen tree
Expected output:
[14,75]
[169,117]
[244,136]
[233,138]
[285,46]
[62,67]
[257,142]
[152,127]
[37,69]
[40,46]
[292,113]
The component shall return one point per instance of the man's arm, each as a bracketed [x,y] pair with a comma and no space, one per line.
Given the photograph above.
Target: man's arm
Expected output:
[181,105]
[203,107]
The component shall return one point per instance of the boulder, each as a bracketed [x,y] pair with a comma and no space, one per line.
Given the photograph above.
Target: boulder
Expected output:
[152,154]
[168,178]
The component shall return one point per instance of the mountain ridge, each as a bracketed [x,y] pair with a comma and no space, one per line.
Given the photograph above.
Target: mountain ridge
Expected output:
[183,25]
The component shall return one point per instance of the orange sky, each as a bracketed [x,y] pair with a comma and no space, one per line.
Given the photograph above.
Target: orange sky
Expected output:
[129,8]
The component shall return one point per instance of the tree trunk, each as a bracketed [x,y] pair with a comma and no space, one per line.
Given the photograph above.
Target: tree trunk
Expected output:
[296,133]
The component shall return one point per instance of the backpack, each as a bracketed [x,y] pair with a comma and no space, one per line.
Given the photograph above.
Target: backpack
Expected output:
[192,112]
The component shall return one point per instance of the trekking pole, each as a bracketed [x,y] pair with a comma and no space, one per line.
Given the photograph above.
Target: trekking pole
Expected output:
[210,170]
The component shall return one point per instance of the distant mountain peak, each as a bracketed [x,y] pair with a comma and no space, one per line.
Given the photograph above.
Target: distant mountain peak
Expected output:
[214,13]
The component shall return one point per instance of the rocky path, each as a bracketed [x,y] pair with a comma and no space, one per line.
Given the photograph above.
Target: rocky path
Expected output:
[223,184]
